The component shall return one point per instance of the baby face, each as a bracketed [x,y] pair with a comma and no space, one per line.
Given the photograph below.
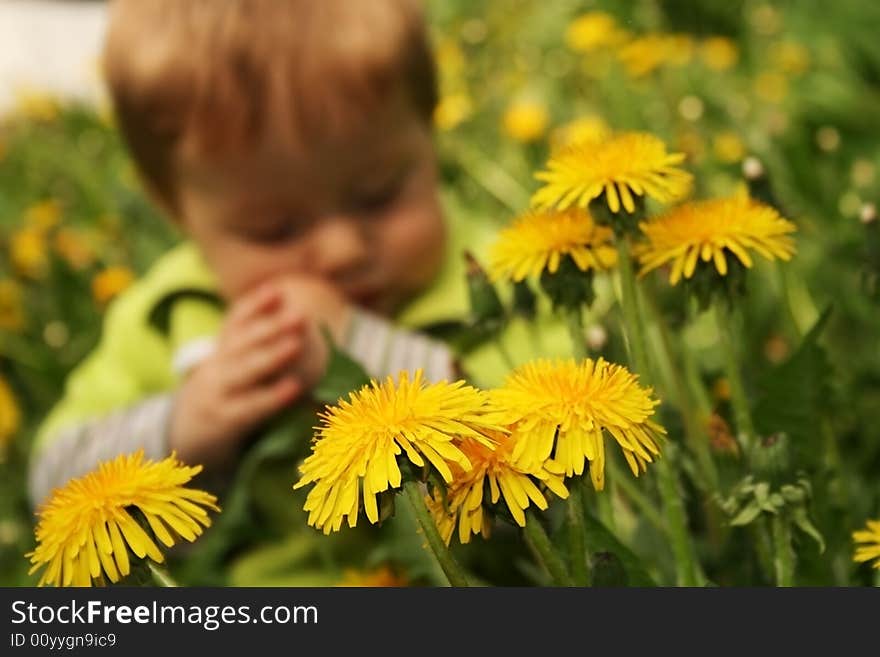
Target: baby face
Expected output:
[359,210]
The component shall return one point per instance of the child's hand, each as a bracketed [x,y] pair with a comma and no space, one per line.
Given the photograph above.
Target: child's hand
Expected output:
[270,351]
[249,377]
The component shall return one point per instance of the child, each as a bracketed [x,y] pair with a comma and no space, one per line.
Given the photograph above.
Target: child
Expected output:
[291,141]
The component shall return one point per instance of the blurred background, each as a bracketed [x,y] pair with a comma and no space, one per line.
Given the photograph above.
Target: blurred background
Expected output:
[796,84]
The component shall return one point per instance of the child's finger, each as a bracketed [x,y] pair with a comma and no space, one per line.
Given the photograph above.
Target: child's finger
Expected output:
[262,402]
[262,298]
[261,330]
[259,364]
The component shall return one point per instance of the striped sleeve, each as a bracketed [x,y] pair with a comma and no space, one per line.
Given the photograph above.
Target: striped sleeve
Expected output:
[384,349]
[79,449]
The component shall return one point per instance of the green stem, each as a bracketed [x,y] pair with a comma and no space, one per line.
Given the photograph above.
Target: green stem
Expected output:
[543,548]
[161,576]
[453,571]
[577,535]
[632,492]
[686,566]
[575,322]
[743,416]
[631,316]
[783,554]
[697,438]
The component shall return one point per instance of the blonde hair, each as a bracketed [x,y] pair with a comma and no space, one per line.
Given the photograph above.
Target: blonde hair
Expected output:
[210,75]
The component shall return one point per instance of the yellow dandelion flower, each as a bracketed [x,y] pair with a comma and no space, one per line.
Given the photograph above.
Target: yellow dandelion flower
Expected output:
[586,129]
[11,306]
[563,409]
[525,121]
[771,87]
[27,251]
[383,577]
[719,53]
[110,282]
[10,414]
[645,54]
[506,478]
[627,164]
[728,147]
[540,240]
[359,441]
[592,31]
[36,105]
[44,215]
[708,230]
[870,543]
[87,528]
[74,248]
[790,57]
[452,110]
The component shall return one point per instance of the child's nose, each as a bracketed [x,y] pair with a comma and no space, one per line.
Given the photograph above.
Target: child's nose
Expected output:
[342,246]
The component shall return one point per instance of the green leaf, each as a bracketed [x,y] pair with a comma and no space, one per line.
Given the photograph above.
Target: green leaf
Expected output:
[599,539]
[792,397]
[747,514]
[343,375]
[800,518]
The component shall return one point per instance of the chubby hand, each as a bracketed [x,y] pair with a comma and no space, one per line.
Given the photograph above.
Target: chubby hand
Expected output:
[270,352]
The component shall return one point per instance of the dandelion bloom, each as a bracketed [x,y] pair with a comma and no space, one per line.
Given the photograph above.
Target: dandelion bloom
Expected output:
[593,31]
[10,414]
[870,543]
[525,121]
[538,241]
[563,409]
[383,577]
[588,129]
[11,307]
[87,527]
[110,282]
[464,504]
[706,230]
[630,163]
[360,439]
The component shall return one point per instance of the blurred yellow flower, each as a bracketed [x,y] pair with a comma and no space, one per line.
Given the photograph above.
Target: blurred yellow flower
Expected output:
[644,54]
[360,439]
[27,251]
[790,57]
[719,53]
[450,59]
[465,500]
[585,129]
[44,215]
[525,121]
[771,87]
[710,230]
[452,110]
[36,105]
[110,282]
[10,414]
[869,540]
[631,163]
[539,240]
[592,31]
[11,307]
[679,49]
[86,528]
[728,147]
[74,248]
[382,577]
[563,409]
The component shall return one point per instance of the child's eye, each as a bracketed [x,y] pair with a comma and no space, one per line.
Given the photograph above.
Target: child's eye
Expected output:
[378,199]
[279,231]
